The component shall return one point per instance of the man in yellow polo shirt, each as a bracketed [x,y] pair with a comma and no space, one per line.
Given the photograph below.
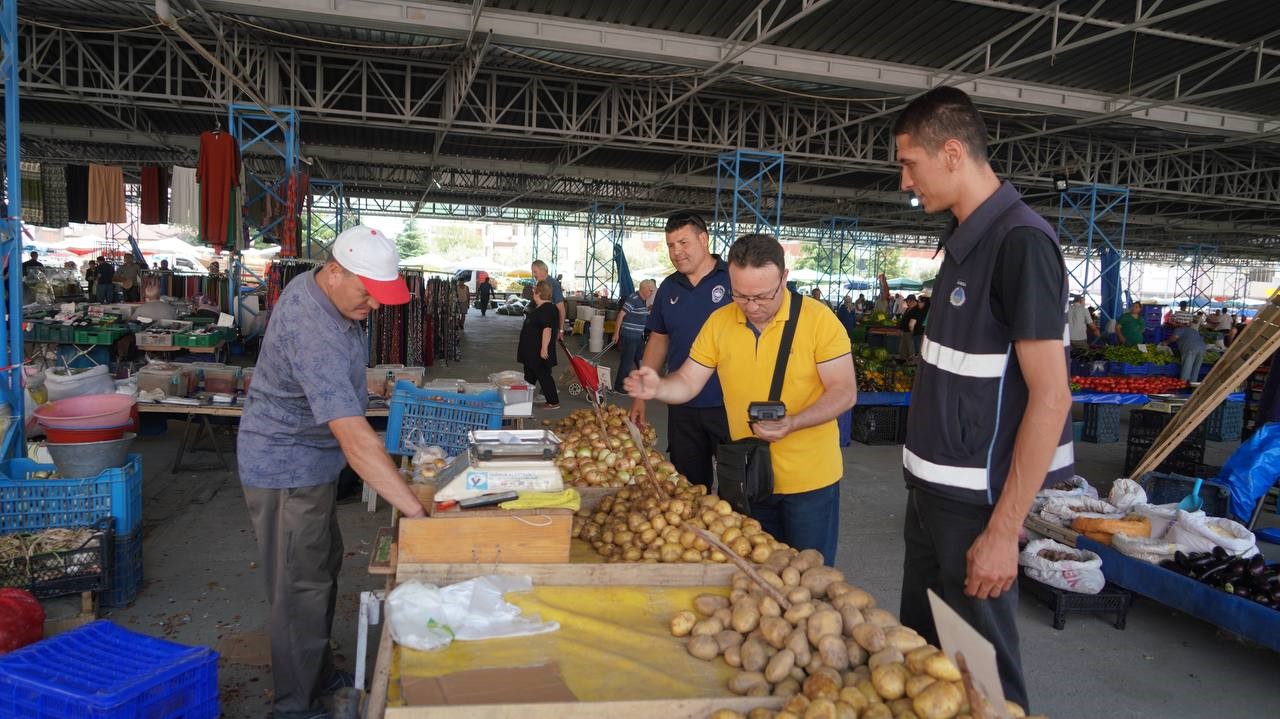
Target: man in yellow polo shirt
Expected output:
[739,342]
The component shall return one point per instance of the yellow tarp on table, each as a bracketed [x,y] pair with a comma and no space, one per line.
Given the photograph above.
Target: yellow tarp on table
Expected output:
[614,643]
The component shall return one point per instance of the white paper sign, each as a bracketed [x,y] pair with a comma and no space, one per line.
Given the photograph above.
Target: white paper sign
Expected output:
[1142,348]
[956,636]
[225,320]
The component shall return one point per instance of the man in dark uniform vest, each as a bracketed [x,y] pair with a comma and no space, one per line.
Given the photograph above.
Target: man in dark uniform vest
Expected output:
[989,423]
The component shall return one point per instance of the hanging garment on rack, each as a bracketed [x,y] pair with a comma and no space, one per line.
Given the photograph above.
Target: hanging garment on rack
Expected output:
[155,196]
[184,198]
[54,178]
[32,195]
[289,227]
[217,171]
[106,195]
[77,193]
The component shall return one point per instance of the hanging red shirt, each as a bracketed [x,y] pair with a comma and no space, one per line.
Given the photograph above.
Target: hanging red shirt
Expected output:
[217,172]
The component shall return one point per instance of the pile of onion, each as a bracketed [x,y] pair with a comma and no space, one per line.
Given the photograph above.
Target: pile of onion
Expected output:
[591,458]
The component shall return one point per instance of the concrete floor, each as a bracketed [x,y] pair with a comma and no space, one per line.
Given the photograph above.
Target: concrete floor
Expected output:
[203,583]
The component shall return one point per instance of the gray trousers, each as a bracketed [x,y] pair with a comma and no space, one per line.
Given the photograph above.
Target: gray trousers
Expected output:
[938,534]
[301,550]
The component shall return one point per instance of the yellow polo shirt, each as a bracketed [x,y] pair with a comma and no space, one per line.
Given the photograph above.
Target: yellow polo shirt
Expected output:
[806,459]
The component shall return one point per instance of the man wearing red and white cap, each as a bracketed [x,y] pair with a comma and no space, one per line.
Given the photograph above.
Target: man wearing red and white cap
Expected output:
[302,422]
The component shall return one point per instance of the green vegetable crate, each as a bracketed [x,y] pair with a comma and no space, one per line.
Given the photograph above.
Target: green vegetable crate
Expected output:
[99,335]
[190,339]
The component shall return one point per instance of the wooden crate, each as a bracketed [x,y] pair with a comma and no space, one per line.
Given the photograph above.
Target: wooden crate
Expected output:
[483,536]
[646,709]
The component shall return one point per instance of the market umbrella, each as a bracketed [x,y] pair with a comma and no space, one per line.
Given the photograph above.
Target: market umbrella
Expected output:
[858,283]
[905,283]
[625,286]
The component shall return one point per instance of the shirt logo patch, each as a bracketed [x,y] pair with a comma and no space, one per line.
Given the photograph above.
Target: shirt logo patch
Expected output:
[717,293]
[957,297]
[674,300]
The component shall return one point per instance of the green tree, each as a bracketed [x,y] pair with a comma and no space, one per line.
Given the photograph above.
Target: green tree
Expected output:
[887,259]
[457,241]
[410,242]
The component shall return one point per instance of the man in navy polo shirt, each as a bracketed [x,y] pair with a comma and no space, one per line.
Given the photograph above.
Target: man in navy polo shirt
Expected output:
[685,300]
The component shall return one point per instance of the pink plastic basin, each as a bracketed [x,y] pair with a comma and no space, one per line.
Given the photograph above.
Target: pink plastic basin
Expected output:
[86,411]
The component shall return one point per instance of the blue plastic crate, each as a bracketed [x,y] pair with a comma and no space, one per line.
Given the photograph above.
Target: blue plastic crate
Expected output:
[428,417]
[1077,430]
[126,571]
[103,671]
[1226,422]
[1101,423]
[845,424]
[30,505]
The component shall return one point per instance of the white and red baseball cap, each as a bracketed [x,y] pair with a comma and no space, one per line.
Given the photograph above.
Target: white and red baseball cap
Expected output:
[372,257]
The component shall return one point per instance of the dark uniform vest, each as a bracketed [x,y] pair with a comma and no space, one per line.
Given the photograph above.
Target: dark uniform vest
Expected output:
[969,394]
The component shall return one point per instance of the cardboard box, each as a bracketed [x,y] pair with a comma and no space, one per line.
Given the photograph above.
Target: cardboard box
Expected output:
[527,536]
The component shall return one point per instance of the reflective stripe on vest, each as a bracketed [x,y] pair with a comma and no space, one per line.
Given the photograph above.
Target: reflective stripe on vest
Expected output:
[974,478]
[965,364]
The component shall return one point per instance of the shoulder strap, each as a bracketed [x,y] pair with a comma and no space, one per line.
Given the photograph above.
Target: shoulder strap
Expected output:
[784,349]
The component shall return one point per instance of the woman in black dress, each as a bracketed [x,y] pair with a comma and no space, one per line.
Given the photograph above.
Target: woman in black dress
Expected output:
[537,349]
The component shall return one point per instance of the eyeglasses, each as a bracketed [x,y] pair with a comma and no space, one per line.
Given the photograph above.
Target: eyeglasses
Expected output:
[758,299]
[685,217]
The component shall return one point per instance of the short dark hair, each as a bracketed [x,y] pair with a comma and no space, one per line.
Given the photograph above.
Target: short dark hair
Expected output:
[757,251]
[942,114]
[683,218]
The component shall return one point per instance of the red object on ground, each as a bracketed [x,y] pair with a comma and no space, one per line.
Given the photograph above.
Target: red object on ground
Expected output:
[585,371]
[21,619]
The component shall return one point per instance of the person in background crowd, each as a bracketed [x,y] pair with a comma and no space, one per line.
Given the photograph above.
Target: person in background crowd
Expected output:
[1191,348]
[1079,322]
[303,420]
[540,274]
[91,277]
[1183,316]
[68,265]
[154,309]
[464,302]
[740,344]
[104,286]
[164,266]
[1224,325]
[628,331]
[537,348]
[816,294]
[906,347]
[127,276]
[847,314]
[1199,320]
[484,293]
[32,263]
[684,301]
[990,420]
[917,322]
[215,268]
[1130,325]
[860,304]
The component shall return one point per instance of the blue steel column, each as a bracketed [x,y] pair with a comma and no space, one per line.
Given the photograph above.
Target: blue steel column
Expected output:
[336,192]
[605,230]
[11,237]
[748,196]
[1194,281]
[1092,221]
[546,243]
[837,240]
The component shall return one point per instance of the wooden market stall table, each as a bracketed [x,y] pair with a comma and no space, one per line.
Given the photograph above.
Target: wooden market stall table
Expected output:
[614,649]
[199,426]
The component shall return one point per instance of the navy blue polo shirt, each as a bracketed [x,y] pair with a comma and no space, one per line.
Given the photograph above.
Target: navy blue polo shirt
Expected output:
[679,311]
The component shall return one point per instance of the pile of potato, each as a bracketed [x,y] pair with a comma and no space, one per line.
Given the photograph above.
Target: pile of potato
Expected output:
[831,653]
[591,458]
[634,526]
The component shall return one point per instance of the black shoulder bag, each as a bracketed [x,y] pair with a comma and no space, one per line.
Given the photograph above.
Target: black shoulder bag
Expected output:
[744,469]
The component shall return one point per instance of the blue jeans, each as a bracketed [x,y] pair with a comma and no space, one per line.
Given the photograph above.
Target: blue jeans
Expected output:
[632,351]
[1191,360]
[807,520]
[105,291]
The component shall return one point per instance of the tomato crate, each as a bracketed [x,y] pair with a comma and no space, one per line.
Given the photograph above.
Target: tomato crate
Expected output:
[29,504]
[880,425]
[1101,423]
[430,417]
[86,568]
[100,335]
[104,671]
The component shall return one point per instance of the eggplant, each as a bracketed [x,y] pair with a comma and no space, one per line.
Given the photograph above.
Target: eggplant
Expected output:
[1257,563]
[1219,552]
[1212,570]
[1182,559]
[1243,593]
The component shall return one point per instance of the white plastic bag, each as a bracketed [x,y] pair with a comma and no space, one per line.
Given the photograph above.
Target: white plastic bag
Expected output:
[1161,516]
[1061,510]
[425,617]
[1082,575]
[1125,493]
[94,380]
[1199,533]
[1080,487]
[1148,549]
